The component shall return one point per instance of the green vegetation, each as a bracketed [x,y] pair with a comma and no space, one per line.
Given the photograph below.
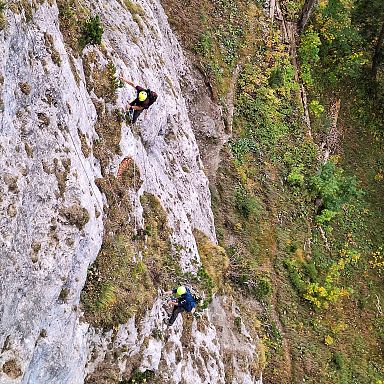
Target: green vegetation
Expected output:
[91,31]
[301,235]
[309,55]
[139,377]
[79,29]
[71,17]
[245,203]
[211,275]
[334,189]
[237,323]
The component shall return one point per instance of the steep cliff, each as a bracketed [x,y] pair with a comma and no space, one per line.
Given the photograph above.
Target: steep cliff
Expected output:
[63,138]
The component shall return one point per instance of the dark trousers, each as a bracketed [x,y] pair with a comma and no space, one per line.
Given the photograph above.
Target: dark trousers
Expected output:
[136,114]
[176,310]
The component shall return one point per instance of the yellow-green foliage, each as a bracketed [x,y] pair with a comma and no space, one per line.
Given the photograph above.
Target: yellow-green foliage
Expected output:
[118,286]
[377,260]
[328,340]
[134,8]
[214,259]
[107,296]
[330,292]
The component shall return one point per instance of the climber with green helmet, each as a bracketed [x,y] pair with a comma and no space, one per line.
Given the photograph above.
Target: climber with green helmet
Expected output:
[183,301]
[144,99]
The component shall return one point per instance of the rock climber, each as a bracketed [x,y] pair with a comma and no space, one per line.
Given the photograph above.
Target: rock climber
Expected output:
[183,301]
[144,99]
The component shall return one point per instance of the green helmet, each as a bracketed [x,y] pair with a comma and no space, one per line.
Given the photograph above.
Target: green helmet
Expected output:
[181,290]
[143,95]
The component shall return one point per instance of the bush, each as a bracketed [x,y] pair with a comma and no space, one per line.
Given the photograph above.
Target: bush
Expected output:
[237,323]
[241,147]
[207,286]
[139,377]
[204,45]
[282,77]
[295,275]
[295,177]
[92,31]
[308,54]
[114,81]
[311,270]
[245,203]
[316,108]
[338,360]
[325,216]
[334,188]
[263,289]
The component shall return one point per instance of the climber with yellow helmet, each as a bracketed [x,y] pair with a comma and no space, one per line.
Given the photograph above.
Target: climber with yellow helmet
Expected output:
[144,99]
[183,301]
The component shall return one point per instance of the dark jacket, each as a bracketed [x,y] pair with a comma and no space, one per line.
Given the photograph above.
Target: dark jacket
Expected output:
[186,301]
[152,96]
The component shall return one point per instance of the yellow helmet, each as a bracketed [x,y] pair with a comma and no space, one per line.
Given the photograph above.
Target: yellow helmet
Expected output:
[143,96]
[181,290]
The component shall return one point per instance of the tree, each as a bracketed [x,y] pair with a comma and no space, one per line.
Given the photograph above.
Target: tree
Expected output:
[377,57]
[368,17]
[306,13]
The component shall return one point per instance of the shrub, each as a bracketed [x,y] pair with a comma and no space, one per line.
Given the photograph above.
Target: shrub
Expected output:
[207,286]
[263,289]
[295,275]
[316,108]
[245,203]
[204,45]
[311,270]
[328,340]
[139,377]
[309,54]
[241,147]
[295,177]
[91,32]
[237,323]
[325,216]
[320,295]
[282,77]
[334,188]
[114,81]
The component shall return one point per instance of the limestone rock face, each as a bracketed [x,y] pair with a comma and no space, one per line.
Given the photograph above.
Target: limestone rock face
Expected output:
[52,212]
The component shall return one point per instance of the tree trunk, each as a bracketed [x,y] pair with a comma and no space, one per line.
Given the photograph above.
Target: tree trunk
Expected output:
[305,14]
[377,53]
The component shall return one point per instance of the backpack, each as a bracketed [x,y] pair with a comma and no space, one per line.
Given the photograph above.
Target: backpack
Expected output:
[196,295]
[152,96]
